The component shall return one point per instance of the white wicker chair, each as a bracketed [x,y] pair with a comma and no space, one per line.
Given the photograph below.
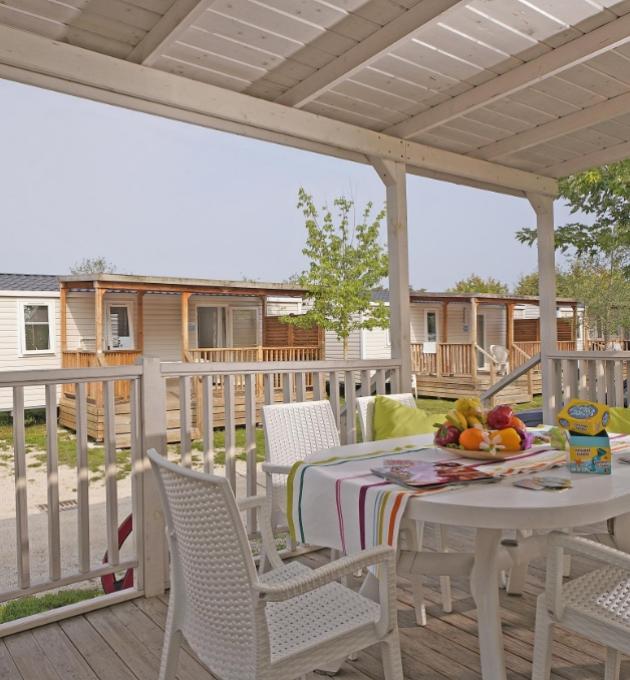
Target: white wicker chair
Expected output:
[596,605]
[278,626]
[501,357]
[412,531]
[292,432]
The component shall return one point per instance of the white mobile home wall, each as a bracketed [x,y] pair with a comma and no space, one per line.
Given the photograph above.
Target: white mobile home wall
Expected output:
[11,357]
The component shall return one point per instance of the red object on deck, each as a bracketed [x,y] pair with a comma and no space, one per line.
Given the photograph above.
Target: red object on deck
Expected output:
[110,583]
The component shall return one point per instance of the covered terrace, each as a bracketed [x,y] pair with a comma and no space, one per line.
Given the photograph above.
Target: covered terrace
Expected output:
[502,96]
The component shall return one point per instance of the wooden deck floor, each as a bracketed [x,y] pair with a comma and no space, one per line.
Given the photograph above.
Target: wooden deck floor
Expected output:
[124,642]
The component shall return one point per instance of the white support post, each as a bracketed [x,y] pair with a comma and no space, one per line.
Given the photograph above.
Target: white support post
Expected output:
[394,176]
[543,205]
[153,436]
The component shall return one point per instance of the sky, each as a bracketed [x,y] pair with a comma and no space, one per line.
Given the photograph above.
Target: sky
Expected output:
[158,197]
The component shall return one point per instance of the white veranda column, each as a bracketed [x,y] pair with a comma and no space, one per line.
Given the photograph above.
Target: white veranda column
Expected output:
[394,177]
[543,205]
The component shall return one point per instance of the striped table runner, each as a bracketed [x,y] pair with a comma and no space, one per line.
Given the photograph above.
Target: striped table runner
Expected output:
[339,503]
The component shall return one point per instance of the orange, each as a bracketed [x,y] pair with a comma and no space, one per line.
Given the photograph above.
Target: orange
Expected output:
[517,423]
[508,437]
[471,439]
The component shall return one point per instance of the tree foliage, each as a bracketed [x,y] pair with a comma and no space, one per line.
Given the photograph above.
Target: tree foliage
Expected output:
[599,251]
[528,284]
[477,284]
[93,265]
[347,263]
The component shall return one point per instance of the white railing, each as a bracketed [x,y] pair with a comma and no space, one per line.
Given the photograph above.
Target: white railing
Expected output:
[597,376]
[66,562]
[36,537]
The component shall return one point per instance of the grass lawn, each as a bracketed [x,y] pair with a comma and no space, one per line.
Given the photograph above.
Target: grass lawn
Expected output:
[443,405]
[34,604]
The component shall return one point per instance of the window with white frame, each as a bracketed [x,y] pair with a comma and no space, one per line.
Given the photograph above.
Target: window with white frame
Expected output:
[37,327]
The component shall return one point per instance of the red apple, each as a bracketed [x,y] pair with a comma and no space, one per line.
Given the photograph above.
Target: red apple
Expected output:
[500,416]
[447,434]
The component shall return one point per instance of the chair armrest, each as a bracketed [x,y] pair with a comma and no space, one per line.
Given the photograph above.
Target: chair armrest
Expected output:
[588,548]
[263,505]
[330,572]
[251,502]
[558,543]
[275,469]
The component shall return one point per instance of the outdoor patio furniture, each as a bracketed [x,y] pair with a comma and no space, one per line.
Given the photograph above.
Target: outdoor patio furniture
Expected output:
[501,357]
[278,626]
[594,605]
[412,532]
[495,510]
[292,432]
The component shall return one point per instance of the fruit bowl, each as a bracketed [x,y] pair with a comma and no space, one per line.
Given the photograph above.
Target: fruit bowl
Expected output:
[471,432]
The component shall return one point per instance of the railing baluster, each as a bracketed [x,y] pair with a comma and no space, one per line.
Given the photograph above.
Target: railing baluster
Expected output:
[583,382]
[380,381]
[287,391]
[52,476]
[618,379]
[207,421]
[185,419]
[601,381]
[137,470]
[350,424]
[300,390]
[334,396]
[21,500]
[268,381]
[250,446]
[318,390]
[83,500]
[592,380]
[230,430]
[366,387]
[111,491]
[557,384]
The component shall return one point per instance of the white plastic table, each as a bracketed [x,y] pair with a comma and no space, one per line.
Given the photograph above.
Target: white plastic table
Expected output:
[493,508]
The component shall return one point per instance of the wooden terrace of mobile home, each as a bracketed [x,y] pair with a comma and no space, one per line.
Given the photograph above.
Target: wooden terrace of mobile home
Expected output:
[113,320]
[452,336]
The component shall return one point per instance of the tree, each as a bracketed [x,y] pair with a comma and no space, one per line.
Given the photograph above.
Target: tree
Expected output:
[93,265]
[528,284]
[346,263]
[477,284]
[599,252]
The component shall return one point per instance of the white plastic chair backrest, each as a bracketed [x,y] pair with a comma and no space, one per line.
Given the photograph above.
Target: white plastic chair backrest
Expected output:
[366,412]
[212,569]
[293,431]
[500,353]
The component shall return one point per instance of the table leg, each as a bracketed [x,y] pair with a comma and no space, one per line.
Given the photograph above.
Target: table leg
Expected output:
[484,584]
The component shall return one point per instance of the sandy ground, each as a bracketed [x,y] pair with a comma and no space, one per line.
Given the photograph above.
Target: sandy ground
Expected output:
[38,519]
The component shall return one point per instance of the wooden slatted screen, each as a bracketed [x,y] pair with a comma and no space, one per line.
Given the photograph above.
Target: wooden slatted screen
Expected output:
[528,330]
[278,334]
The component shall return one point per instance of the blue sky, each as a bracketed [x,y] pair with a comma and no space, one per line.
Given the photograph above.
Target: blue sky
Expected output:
[154,196]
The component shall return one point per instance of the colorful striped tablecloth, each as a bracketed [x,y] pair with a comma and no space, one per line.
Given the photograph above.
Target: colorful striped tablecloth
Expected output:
[337,502]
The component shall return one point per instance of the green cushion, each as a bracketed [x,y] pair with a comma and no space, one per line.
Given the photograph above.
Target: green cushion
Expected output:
[392,419]
[619,420]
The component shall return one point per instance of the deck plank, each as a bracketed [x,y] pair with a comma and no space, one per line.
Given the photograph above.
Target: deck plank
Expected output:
[95,649]
[124,642]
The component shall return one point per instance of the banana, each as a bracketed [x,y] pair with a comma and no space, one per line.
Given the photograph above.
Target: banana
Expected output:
[474,421]
[457,419]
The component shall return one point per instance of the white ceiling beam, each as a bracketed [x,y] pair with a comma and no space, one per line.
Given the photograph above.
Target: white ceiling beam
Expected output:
[182,97]
[612,154]
[365,52]
[175,21]
[575,52]
[578,120]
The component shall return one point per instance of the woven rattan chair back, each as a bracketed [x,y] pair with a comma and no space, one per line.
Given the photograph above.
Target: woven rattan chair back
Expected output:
[212,569]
